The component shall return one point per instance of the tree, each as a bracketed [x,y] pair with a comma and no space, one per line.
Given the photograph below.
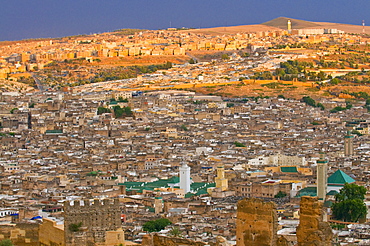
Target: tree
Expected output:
[6,242]
[349,203]
[175,232]
[280,194]
[156,225]
[13,110]
[309,101]
[225,57]
[320,105]
[184,128]
[102,110]
[237,144]
[75,227]
[192,61]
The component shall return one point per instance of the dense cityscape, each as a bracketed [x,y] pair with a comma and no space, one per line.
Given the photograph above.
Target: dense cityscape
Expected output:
[258,136]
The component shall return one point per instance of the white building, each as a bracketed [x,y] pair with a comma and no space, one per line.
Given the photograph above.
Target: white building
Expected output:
[185,178]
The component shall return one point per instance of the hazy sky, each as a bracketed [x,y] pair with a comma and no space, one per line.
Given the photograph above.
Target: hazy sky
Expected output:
[20,19]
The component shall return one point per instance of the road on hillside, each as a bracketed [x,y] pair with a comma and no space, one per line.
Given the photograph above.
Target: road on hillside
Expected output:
[38,83]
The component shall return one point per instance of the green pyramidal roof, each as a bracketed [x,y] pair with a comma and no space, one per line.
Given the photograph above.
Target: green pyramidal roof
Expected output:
[340,178]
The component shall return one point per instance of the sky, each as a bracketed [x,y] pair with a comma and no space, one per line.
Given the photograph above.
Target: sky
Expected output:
[22,19]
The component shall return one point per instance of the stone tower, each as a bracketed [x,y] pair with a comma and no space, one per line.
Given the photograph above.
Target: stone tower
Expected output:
[322,177]
[256,223]
[348,144]
[185,178]
[90,222]
[158,205]
[221,181]
[312,230]
[289,24]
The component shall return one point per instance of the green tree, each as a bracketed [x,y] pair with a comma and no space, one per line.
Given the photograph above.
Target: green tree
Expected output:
[309,101]
[349,203]
[118,111]
[184,128]
[12,110]
[280,194]
[75,227]
[102,110]
[175,232]
[237,144]
[320,105]
[6,242]
[192,61]
[156,225]
[225,57]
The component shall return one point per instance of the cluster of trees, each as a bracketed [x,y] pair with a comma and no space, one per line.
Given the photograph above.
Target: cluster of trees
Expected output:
[122,72]
[117,110]
[293,70]
[122,112]
[349,203]
[6,242]
[311,102]
[295,45]
[156,225]
[337,109]
[102,110]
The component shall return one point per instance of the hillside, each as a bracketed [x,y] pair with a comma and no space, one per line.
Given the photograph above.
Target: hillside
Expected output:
[281,22]
[278,24]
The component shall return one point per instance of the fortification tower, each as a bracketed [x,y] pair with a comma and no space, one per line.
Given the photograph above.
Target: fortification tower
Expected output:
[90,222]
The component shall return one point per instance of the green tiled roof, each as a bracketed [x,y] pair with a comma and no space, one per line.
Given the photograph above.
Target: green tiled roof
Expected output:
[197,188]
[308,191]
[340,178]
[332,193]
[289,169]
[53,131]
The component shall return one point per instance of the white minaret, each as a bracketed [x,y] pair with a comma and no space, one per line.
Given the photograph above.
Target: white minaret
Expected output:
[185,178]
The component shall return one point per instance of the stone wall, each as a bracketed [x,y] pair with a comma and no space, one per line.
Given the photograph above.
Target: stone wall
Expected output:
[156,240]
[50,233]
[22,234]
[256,223]
[312,230]
[97,217]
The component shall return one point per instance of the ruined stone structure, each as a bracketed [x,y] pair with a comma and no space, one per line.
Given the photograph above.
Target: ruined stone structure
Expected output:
[93,222]
[157,240]
[312,230]
[22,234]
[256,223]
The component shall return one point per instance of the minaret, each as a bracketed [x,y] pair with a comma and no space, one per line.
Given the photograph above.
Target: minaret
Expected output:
[322,177]
[158,205]
[363,26]
[289,27]
[348,144]
[220,180]
[185,178]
